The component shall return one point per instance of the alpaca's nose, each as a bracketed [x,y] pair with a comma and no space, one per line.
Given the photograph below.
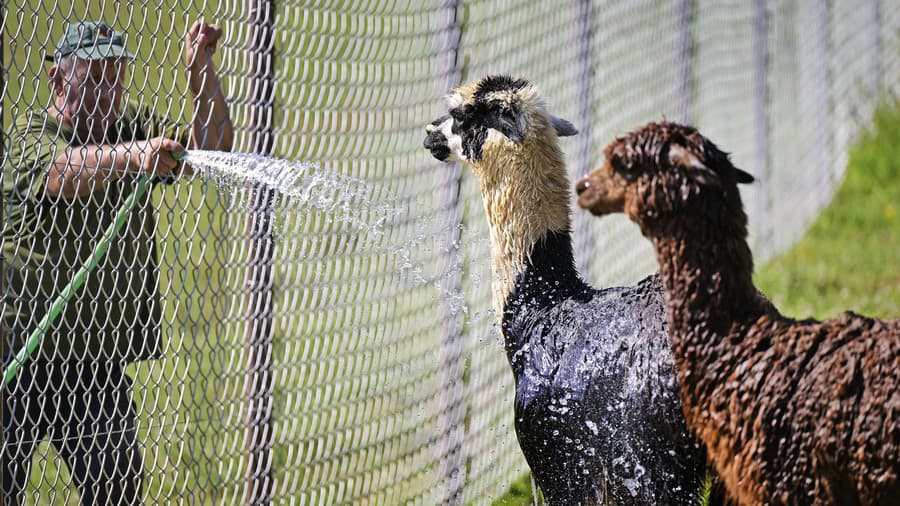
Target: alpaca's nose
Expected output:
[428,141]
[582,185]
[437,144]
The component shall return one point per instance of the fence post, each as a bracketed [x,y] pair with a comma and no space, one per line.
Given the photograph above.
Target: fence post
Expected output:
[258,334]
[584,241]
[874,70]
[451,418]
[761,115]
[822,96]
[3,284]
[684,88]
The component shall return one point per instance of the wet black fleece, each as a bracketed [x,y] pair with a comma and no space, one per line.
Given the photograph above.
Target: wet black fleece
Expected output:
[596,389]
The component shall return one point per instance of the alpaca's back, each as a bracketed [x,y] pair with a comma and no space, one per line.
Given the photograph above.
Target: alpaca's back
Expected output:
[812,417]
[597,400]
[846,404]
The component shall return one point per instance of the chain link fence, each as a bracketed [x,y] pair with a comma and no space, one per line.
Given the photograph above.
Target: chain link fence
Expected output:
[304,359]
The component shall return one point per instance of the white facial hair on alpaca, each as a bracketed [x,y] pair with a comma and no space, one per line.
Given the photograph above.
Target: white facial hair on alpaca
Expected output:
[523,203]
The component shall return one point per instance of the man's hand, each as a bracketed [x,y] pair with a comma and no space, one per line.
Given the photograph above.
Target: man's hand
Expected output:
[154,157]
[82,170]
[211,123]
[199,47]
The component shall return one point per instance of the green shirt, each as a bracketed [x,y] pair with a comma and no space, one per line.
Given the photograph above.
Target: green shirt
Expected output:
[115,316]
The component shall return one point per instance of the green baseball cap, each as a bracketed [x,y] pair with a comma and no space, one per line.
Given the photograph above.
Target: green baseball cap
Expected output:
[90,41]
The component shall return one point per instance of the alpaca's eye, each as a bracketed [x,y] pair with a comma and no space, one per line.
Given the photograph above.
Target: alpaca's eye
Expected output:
[619,167]
[461,121]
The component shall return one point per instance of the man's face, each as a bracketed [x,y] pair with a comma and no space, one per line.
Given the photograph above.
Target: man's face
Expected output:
[90,94]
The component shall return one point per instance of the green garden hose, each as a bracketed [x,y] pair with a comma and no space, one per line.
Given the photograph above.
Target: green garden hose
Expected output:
[34,340]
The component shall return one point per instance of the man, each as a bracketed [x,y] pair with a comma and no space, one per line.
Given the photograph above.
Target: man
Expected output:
[70,167]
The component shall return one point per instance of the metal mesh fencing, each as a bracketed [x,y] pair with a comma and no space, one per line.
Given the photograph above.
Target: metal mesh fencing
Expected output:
[304,357]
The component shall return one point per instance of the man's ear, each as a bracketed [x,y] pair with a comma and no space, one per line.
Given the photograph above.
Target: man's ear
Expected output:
[679,155]
[56,80]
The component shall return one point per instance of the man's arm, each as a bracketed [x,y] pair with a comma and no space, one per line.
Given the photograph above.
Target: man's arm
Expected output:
[211,125]
[82,170]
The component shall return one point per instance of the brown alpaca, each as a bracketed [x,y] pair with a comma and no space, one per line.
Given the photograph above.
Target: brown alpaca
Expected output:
[791,412]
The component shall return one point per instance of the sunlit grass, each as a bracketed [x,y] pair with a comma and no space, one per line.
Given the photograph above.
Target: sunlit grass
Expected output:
[849,258]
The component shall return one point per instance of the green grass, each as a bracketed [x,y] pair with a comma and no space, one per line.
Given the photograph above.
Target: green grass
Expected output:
[520,493]
[849,257]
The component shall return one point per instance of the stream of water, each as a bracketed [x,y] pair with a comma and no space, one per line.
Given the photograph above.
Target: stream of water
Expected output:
[306,187]
[295,184]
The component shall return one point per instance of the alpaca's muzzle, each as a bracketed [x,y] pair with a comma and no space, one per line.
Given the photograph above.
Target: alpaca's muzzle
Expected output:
[436,141]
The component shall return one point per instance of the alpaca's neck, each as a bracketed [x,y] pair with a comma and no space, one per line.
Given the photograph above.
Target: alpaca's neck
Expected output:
[526,197]
[706,269]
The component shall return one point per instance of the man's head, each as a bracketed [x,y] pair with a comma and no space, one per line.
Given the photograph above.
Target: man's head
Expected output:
[88,77]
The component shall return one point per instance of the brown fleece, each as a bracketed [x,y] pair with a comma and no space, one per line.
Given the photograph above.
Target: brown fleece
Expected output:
[791,412]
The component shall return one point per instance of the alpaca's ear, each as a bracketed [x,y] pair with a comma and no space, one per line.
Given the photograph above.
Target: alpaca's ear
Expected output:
[681,156]
[743,177]
[563,127]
